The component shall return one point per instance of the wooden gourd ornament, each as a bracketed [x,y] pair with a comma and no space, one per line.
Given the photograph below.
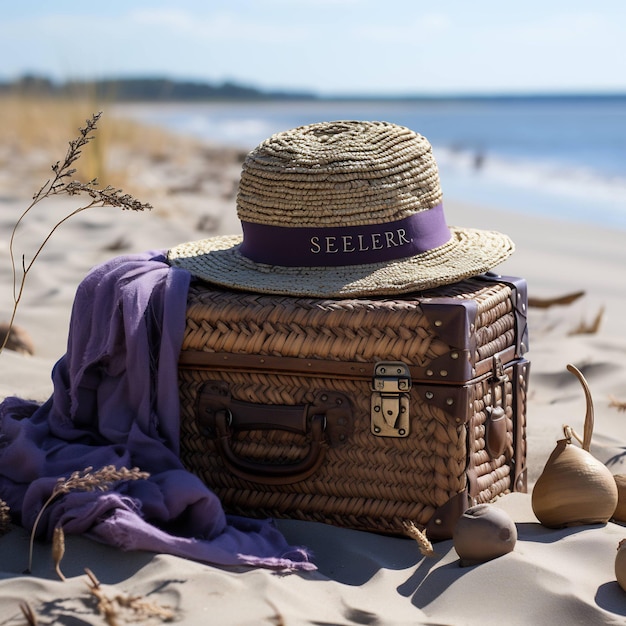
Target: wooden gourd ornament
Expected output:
[575,488]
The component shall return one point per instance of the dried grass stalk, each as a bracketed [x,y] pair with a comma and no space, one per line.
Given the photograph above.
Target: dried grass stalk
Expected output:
[424,544]
[546,303]
[112,606]
[29,614]
[62,184]
[620,405]
[86,480]
[591,328]
[58,550]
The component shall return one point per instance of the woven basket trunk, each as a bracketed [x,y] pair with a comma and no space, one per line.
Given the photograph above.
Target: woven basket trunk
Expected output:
[465,440]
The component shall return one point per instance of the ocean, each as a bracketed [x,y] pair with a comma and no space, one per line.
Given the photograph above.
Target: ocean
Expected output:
[559,156]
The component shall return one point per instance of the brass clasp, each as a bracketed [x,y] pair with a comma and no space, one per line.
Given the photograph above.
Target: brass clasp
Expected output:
[390,399]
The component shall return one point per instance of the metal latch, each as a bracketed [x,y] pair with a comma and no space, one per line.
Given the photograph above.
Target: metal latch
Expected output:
[390,399]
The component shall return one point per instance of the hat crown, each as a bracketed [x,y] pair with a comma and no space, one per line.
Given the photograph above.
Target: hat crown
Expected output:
[338,173]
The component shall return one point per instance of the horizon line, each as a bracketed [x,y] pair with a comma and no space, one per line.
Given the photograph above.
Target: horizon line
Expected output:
[305,93]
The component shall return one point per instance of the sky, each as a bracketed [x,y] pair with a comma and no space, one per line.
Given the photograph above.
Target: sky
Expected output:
[329,47]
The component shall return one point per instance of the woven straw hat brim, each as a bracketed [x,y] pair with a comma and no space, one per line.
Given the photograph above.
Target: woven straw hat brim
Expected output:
[469,252]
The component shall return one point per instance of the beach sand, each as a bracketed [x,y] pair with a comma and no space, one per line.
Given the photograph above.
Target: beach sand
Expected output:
[553,576]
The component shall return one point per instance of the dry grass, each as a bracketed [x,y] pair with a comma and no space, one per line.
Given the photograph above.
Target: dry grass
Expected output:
[616,403]
[423,543]
[85,480]
[589,328]
[33,131]
[117,607]
[64,181]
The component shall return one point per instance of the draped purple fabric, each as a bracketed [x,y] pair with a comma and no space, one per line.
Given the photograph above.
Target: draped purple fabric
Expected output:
[115,402]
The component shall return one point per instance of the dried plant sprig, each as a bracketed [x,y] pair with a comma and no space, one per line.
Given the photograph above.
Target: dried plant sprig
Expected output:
[58,550]
[615,403]
[59,184]
[29,614]
[5,518]
[424,544]
[109,605]
[86,480]
[589,328]
[546,303]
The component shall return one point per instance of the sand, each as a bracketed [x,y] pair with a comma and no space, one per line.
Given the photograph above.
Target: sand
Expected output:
[552,576]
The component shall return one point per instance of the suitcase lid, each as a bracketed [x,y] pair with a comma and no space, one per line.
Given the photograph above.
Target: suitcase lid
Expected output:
[446,335]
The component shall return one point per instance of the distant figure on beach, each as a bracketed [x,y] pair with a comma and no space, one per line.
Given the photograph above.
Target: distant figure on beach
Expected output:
[479,159]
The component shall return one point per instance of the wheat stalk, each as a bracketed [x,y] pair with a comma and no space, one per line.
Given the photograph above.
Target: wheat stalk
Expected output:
[424,544]
[62,184]
[109,606]
[85,480]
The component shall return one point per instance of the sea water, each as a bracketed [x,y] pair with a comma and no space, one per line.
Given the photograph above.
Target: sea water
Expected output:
[560,156]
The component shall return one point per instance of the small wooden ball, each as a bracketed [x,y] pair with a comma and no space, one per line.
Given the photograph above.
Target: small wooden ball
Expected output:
[483,533]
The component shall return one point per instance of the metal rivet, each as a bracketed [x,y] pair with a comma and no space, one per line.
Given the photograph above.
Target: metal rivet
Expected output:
[444,372]
[402,409]
[429,395]
[438,522]
[458,420]
[324,398]
[402,431]
[376,429]
[338,401]
[377,409]
[262,360]
[389,412]
[454,355]
[438,323]
[382,370]
[449,401]
[429,372]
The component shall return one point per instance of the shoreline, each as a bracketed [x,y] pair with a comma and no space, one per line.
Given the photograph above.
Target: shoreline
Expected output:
[589,189]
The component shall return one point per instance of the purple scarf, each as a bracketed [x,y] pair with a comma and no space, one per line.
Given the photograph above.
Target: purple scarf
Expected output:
[115,402]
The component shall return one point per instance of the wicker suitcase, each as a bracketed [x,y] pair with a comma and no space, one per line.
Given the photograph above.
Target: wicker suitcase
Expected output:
[363,413]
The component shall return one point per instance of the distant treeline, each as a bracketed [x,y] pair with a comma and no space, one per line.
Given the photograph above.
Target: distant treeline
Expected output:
[152,89]
[165,89]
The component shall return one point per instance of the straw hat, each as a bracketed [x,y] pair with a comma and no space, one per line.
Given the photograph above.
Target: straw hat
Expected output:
[341,209]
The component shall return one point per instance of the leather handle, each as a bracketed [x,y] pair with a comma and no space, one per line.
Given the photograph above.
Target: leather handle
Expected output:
[324,422]
[267,473]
